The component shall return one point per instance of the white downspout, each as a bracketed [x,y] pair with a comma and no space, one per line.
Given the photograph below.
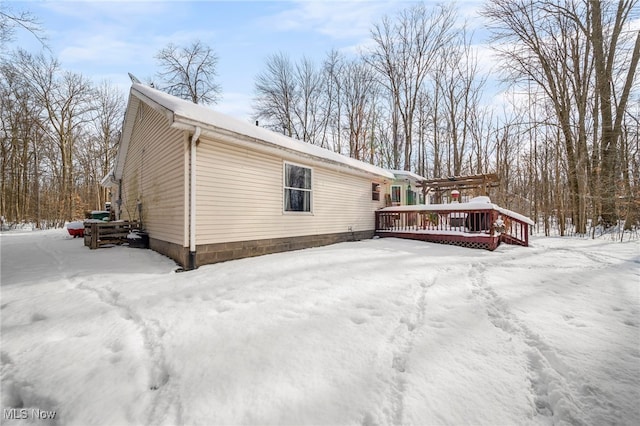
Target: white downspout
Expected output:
[192,200]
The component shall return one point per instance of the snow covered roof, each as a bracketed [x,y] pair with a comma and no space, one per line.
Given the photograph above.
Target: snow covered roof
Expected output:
[405,174]
[187,115]
[108,180]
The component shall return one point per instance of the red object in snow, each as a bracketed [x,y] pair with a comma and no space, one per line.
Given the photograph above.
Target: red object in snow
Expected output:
[76,229]
[76,232]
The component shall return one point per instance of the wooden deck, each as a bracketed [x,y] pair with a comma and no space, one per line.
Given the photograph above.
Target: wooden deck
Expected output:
[477,227]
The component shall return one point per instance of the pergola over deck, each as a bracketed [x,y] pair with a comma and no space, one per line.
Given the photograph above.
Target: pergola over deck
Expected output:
[482,181]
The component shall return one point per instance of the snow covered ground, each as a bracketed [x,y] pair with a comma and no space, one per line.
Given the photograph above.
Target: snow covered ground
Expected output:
[377,332]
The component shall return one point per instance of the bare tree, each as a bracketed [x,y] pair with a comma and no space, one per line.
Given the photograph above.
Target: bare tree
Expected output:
[480,123]
[423,117]
[309,85]
[606,36]
[103,141]
[291,98]
[18,116]
[630,160]
[557,45]
[460,84]
[66,101]
[538,47]
[57,139]
[359,91]
[10,21]
[403,55]
[276,94]
[189,72]
[332,105]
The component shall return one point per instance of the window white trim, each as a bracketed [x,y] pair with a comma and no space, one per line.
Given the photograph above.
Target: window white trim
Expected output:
[290,188]
[376,191]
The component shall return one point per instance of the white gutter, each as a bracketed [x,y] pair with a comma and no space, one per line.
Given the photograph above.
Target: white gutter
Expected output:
[192,197]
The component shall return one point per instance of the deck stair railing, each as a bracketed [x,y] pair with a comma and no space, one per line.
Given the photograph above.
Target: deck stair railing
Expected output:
[515,231]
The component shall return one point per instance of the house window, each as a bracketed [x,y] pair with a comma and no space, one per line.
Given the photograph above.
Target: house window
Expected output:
[375,191]
[297,188]
[396,193]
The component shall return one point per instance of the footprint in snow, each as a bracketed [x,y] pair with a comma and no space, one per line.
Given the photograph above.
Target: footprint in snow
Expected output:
[410,325]
[38,317]
[5,358]
[368,420]
[223,308]
[115,346]
[399,364]
[358,320]
[162,380]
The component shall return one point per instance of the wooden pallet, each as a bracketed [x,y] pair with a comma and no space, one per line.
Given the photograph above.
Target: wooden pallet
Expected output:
[99,234]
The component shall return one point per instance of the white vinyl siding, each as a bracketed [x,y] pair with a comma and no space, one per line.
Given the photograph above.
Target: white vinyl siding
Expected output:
[154,174]
[240,197]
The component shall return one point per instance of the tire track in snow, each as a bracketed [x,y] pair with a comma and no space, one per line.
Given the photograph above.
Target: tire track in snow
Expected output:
[403,341]
[548,375]
[166,401]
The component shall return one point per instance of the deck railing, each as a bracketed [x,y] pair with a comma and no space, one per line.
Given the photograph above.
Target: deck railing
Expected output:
[454,224]
[514,231]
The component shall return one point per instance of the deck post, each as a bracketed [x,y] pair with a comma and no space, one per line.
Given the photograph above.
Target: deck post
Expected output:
[94,236]
[495,240]
[493,216]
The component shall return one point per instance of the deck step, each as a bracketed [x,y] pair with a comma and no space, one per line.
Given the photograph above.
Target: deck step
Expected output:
[508,239]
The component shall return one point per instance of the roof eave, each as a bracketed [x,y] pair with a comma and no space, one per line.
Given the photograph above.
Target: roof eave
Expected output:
[108,180]
[178,121]
[210,130]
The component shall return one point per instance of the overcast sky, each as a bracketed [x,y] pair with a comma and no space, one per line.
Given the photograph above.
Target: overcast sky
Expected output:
[108,39]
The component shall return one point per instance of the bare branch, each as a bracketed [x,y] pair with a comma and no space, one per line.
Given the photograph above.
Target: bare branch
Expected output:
[189,72]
